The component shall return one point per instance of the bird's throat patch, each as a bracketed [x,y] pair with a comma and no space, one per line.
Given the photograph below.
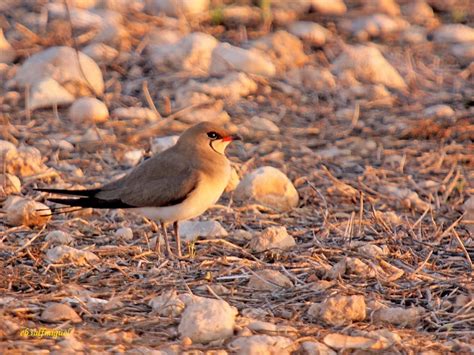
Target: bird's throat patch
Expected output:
[219,146]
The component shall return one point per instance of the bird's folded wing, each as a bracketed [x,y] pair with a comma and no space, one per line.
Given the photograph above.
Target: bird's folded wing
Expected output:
[157,182]
[157,193]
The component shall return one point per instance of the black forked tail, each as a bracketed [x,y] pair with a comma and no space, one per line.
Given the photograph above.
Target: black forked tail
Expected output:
[85,193]
[86,199]
[90,202]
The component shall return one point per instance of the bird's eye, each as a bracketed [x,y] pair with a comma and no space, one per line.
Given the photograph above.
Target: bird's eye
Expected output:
[213,135]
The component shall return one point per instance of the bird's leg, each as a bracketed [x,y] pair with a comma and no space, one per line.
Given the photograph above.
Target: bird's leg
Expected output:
[167,243]
[155,229]
[158,244]
[178,239]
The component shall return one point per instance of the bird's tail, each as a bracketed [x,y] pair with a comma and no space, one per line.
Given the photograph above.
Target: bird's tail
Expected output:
[84,193]
[90,202]
[86,199]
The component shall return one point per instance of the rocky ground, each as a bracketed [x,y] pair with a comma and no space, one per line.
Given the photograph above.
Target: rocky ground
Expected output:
[347,226]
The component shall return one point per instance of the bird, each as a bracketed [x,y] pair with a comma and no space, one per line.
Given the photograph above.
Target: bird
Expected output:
[177,184]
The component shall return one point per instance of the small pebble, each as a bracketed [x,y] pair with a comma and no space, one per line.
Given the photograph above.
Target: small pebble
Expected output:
[88,109]
[124,233]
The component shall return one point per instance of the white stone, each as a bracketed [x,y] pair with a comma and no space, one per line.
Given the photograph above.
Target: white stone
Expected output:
[390,217]
[27,212]
[398,316]
[355,266]
[81,19]
[59,312]
[70,343]
[405,197]
[266,327]
[385,337]
[24,161]
[107,23]
[464,52]
[272,238]
[63,145]
[454,33]
[177,7]
[192,53]
[370,92]
[122,6]
[226,58]
[5,147]
[373,250]
[100,52]
[345,114]
[142,113]
[133,157]
[419,12]
[264,124]
[241,15]
[255,312]
[160,144]
[283,49]
[9,184]
[191,230]
[269,280]
[414,34]
[8,301]
[84,4]
[61,65]
[167,304]
[310,32]
[66,254]
[8,327]
[339,310]
[111,30]
[389,7]
[48,92]
[205,320]
[439,111]
[333,7]
[242,235]
[376,25]
[368,64]
[162,36]
[295,7]
[231,87]
[337,270]
[270,187]
[124,233]
[284,13]
[7,52]
[343,342]
[317,348]
[468,208]
[310,77]
[91,135]
[88,109]
[262,344]
[212,113]
[59,238]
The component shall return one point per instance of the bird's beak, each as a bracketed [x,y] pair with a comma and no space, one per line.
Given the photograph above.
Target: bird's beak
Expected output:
[232,137]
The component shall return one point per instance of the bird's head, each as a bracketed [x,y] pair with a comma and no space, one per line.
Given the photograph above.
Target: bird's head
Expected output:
[207,135]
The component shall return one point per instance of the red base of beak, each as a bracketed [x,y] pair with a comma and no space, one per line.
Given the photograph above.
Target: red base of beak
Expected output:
[234,137]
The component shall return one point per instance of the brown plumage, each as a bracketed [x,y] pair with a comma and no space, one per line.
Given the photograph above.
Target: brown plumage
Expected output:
[194,170]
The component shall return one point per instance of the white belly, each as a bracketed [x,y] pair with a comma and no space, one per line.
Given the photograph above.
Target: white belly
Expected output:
[204,196]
